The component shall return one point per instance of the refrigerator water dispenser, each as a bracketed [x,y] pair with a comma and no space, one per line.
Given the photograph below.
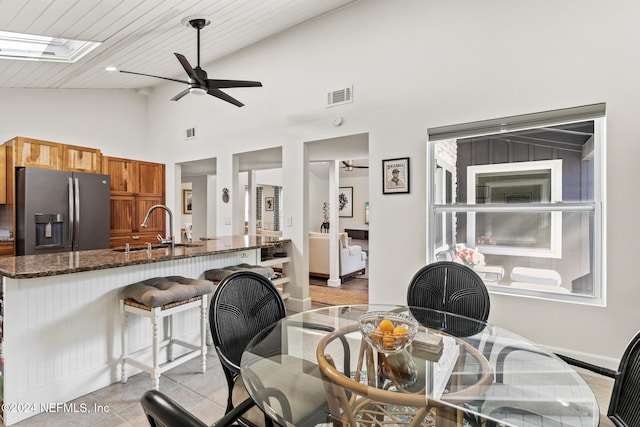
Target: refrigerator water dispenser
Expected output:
[49,230]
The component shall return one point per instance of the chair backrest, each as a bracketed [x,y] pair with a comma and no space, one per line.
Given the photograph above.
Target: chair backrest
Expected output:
[162,411]
[623,407]
[450,287]
[244,304]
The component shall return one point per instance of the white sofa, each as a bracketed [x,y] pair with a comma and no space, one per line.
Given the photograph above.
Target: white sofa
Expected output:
[352,259]
[271,233]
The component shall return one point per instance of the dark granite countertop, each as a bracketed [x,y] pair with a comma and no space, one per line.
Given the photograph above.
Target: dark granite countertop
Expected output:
[30,266]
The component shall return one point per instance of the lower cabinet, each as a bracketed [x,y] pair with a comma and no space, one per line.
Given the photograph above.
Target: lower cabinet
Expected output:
[127,216]
[6,249]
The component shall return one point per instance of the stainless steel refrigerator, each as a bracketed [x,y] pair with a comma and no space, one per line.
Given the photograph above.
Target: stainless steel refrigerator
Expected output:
[58,211]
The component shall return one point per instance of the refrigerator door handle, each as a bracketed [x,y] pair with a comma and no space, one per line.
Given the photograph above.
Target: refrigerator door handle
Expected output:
[71,213]
[76,225]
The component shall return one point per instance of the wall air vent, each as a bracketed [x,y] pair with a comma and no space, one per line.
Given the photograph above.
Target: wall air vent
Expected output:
[340,96]
[190,133]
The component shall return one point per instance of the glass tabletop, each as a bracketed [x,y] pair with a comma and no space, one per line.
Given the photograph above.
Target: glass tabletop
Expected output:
[315,367]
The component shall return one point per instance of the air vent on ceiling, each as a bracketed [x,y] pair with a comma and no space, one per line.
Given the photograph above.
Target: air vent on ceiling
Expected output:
[190,133]
[340,96]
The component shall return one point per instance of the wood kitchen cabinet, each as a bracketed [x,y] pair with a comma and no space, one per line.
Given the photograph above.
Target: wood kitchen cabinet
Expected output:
[6,248]
[36,153]
[81,159]
[135,187]
[29,152]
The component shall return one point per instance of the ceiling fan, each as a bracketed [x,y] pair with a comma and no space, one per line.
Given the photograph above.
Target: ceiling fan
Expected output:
[198,82]
[349,166]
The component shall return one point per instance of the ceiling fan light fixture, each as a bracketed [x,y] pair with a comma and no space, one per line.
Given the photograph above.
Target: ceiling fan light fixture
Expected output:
[197,91]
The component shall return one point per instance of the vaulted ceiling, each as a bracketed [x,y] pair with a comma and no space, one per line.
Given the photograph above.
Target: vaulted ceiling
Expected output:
[142,35]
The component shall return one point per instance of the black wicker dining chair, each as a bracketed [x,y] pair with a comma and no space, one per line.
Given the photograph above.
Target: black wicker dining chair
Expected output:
[452,288]
[163,411]
[624,410]
[243,304]
[624,406]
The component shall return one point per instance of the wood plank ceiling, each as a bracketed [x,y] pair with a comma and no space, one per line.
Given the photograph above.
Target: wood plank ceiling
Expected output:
[141,36]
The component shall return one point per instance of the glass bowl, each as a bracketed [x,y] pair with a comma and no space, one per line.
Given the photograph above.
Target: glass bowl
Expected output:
[386,331]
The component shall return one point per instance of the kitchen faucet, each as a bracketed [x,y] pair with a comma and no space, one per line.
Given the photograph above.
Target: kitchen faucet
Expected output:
[170,240]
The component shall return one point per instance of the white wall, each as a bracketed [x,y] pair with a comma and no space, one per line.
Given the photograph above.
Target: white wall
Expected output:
[414,64]
[419,64]
[112,120]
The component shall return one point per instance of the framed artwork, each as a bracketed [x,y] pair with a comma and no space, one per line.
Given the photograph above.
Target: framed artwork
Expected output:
[268,203]
[395,176]
[345,202]
[187,197]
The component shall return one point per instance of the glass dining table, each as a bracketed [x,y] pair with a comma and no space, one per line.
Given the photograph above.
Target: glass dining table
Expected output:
[314,368]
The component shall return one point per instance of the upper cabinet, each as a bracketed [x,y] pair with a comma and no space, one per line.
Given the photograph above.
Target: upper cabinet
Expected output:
[123,175]
[134,177]
[81,159]
[36,153]
[135,187]
[150,178]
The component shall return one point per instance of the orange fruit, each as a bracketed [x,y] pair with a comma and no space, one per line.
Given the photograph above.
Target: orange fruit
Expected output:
[400,331]
[386,326]
[388,341]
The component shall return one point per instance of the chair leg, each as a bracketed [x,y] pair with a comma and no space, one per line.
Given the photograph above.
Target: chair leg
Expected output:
[169,334]
[203,334]
[123,341]
[155,340]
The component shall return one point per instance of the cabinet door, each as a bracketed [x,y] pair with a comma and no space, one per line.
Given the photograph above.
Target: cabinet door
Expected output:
[82,159]
[122,173]
[157,220]
[122,214]
[150,179]
[6,249]
[39,154]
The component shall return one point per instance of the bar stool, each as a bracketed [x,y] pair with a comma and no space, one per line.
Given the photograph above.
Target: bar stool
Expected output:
[156,299]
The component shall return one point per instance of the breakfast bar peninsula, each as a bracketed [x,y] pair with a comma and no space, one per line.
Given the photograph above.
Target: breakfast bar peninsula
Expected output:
[61,320]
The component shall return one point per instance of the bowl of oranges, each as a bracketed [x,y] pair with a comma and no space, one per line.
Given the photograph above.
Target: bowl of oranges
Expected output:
[386,331]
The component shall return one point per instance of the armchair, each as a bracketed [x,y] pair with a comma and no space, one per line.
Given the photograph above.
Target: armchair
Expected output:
[352,259]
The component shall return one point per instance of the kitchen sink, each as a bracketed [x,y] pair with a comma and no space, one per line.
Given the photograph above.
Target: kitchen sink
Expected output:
[156,247]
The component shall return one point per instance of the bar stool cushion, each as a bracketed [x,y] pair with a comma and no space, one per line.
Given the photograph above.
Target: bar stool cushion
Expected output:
[218,274]
[159,291]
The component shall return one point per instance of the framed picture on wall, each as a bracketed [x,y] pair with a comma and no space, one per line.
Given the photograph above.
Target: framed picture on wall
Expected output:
[395,176]
[268,203]
[186,201]
[345,202]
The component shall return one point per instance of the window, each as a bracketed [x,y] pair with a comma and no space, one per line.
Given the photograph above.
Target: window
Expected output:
[526,193]
[527,233]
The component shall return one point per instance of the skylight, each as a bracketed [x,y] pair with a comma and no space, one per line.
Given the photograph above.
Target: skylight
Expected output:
[33,47]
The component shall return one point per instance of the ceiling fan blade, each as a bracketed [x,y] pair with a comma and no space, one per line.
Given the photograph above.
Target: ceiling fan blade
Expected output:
[190,71]
[221,84]
[220,94]
[347,164]
[360,167]
[181,94]
[157,77]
